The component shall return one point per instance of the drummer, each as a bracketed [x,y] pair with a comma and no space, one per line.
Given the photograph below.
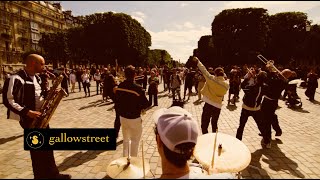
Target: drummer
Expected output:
[176,135]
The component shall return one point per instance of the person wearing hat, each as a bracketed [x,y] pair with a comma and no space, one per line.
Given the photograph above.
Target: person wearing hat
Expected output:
[213,92]
[176,135]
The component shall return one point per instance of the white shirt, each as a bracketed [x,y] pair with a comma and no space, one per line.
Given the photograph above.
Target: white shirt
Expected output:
[73,78]
[97,77]
[38,98]
[207,100]
[85,78]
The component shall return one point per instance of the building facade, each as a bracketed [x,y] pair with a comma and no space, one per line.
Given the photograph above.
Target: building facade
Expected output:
[21,25]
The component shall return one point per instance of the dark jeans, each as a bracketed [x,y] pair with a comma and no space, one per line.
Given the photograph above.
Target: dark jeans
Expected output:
[268,109]
[209,113]
[117,124]
[155,99]
[43,164]
[79,84]
[244,118]
[97,84]
[85,87]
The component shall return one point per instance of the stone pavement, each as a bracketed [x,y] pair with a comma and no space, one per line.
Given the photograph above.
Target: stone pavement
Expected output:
[294,155]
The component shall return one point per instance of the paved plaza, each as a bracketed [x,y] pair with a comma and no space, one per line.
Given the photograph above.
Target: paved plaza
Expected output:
[295,154]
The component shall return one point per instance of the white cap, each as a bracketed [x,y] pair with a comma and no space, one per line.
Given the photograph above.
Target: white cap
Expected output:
[175,126]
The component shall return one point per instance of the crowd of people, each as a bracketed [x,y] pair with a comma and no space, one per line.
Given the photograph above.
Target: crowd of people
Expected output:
[262,88]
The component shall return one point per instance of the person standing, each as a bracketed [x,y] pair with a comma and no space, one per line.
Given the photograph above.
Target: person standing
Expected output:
[86,81]
[153,89]
[312,84]
[22,96]
[73,80]
[201,83]
[130,113]
[97,78]
[213,91]
[175,82]
[79,77]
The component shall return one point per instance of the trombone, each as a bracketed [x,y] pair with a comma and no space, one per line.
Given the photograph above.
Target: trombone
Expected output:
[270,63]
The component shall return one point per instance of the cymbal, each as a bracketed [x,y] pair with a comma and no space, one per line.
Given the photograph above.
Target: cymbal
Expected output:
[233,157]
[296,81]
[118,169]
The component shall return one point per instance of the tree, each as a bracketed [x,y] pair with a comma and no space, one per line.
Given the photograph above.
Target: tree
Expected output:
[110,36]
[287,34]
[206,50]
[55,48]
[158,57]
[237,33]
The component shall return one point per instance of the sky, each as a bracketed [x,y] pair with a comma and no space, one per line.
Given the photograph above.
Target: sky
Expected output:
[177,26]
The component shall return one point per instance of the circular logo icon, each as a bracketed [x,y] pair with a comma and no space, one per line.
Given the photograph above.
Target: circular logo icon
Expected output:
[35,140]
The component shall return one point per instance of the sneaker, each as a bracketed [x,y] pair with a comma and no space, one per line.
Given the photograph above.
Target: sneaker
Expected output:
[62,176]
[279,133]
[268,146]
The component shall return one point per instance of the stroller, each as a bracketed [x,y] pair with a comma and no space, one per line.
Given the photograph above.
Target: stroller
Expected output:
[293,99]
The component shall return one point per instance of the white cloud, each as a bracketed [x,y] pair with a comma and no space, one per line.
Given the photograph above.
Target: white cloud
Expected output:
[139,16]
[179,43]
[188,25]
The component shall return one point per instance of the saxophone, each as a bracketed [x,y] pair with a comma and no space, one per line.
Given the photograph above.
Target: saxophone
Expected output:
[50,104]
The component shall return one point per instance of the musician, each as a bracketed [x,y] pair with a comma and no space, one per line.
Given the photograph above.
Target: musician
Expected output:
[274,85]
[129,106]
[213,91]
[22,96]
[251,101]
[175,151]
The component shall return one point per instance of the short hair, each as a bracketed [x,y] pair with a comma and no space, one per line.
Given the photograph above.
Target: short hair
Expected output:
[130,72]
[178,159]
[219,71]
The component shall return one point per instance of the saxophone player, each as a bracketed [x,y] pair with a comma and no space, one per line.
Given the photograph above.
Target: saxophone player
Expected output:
[22,96]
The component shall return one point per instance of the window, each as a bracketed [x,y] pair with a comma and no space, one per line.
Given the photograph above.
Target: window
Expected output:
[35,36]
[34,25]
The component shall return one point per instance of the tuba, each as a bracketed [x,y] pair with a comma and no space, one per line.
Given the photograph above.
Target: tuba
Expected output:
[50,104]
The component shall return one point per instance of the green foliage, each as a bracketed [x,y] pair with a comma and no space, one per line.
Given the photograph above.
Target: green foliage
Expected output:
[238,32]
[155,57]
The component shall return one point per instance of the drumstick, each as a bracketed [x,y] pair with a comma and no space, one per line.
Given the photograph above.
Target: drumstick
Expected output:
[214,149]
[144,173]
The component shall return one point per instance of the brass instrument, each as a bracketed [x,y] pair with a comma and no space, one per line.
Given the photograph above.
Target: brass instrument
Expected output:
[270,64]
[50,104]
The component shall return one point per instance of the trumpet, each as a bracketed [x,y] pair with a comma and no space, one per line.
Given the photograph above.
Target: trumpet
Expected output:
[270,64]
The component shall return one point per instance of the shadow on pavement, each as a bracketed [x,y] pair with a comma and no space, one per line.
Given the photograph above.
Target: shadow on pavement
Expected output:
[197,102]
[290,167]
[315,102]
[232,107]
[5,140]
[73,98]
[66,164]
[299,110]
